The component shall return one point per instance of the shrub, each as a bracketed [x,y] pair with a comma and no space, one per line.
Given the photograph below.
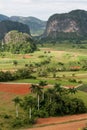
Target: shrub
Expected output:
[6,116]
[80,81]
[41,113]
[29,121]
[72,80]
[17,122]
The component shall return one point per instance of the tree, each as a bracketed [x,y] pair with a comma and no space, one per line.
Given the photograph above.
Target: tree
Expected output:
[54,70]
[38,90]
[72,90]
[42,84]
[28,104]
[58,88]
[23,73]
[15,63]
[33,88]
[17,100]
[50,94]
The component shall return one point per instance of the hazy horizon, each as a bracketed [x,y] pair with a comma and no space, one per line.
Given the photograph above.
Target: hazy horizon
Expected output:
[41,9]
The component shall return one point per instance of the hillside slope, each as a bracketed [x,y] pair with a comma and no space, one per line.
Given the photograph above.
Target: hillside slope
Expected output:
[67,26]
[36,25]
[6,26]
[3,17]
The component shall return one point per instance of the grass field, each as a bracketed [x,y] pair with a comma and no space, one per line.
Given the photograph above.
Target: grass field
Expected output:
[59,53]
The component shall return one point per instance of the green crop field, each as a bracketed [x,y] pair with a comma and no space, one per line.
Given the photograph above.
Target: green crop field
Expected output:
[64,53]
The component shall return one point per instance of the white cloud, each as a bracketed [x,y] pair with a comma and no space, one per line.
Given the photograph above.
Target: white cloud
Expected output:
[22,1]
[1,5]
[40,8]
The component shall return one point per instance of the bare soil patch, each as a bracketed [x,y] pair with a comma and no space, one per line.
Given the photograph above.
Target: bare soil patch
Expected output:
[73,122]
[52,120]
[19,89]
[69,126]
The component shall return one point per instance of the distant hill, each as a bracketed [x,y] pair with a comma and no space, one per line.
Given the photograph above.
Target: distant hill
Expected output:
[6,26]
[36,25]
[3,17]
[70,25]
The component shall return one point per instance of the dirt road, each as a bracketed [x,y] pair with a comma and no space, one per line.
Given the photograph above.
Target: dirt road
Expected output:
[68,126]
[73,122]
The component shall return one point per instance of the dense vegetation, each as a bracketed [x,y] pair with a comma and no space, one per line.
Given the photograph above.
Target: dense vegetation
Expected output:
[6,26]
[17,42]
[19,74]
[36,25]
[44,102]
[55,101]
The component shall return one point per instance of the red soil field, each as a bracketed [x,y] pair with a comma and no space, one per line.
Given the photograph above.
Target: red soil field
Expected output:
[73,122]
[20,89]
[51,120]
[69,126]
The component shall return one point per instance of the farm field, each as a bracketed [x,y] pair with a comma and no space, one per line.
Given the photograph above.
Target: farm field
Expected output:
[64,58]
[69,56]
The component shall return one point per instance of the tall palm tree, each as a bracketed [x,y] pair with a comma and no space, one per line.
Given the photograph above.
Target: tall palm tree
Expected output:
[28,103]
[50,94]
[72,90]
[17,100]
[33,88]
[42,84]
[38,91]
[58,88]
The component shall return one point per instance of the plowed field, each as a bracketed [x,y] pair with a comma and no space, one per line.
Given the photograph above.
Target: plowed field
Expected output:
[19,89]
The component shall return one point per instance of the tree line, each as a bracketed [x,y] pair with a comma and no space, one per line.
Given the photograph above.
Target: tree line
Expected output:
[22,73]
[47,102]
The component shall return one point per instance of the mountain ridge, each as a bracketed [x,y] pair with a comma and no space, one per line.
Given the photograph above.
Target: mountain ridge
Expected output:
[36,25]
[67,25]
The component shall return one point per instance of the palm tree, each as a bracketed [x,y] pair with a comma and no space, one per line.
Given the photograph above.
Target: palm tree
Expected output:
[50,94]
[28,103]
[33,88]
[42,84]
[58,88]
[17,100]
[72,90]
[38,90]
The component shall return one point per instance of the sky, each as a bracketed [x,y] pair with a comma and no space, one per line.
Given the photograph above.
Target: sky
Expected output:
[42,9]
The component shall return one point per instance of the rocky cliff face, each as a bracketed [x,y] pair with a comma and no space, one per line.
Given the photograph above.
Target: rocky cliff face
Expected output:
[67,25]
[6,26]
